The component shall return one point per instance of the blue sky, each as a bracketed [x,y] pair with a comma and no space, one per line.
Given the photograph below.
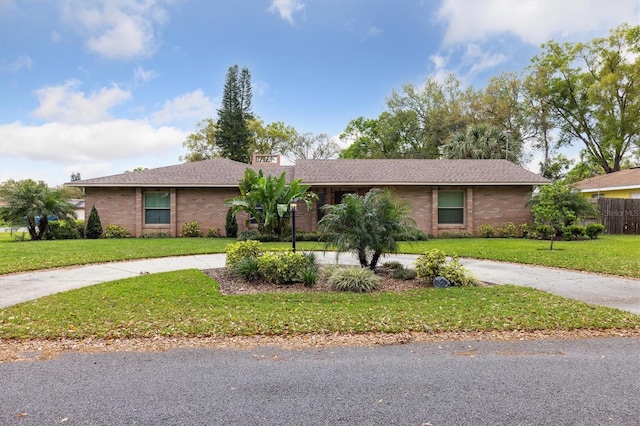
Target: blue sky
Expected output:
[103,86]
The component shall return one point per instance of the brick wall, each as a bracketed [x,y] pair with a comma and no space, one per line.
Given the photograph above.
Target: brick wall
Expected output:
[497,205]
[124,206]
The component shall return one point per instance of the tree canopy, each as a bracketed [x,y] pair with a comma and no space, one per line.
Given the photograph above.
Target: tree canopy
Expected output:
[231,134]
[593,91]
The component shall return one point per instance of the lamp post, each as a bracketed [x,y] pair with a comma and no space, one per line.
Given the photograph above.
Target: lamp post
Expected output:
[293,206]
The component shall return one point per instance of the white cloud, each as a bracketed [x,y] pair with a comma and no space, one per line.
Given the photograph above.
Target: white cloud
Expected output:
[23,62]
[286,8]
[69,143]
[144,76]
[481,60]
[194,105]
[533,21]
[116,29]
[67,105]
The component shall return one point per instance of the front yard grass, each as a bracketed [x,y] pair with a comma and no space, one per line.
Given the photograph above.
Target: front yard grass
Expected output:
[609,254]
[189,304]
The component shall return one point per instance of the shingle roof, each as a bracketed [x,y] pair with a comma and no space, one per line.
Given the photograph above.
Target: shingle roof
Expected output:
[217,172]
[221,172]
[415,172]
[622,179]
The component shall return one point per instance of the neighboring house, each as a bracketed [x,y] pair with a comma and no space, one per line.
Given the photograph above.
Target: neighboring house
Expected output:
[445,195]
[622,184]
[78,207]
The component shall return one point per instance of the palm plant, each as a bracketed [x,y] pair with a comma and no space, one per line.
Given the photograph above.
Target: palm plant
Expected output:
[481,142]
[34,202]
[267,199]
[367,225]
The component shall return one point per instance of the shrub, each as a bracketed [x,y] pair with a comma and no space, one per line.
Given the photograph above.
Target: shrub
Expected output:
[394,264]
[158,234]
[355,279]
[247,268]
[404,273]
[213,233]
[594,229]
[457,274]
[309,276]
[486,231]
[283,267]
[573,232]
[428,265]
[526,229]
[249,234]
[507,230]
[62,230]
[116,231]
[545,231]
[191,229]
[80,227]
[94,227]
[242,249]
[456,234]
[231,225]
[434,263]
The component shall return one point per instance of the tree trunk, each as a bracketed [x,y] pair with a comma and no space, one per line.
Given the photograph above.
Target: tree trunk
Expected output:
[374,261]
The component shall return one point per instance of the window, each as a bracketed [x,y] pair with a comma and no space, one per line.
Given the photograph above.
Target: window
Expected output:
[321,203]
[450,207]
[157,207]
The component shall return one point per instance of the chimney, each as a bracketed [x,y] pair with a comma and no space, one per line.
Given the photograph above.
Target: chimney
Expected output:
[266,160]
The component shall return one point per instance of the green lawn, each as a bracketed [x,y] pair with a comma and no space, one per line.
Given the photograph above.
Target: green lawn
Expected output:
[188,303]
[617,255]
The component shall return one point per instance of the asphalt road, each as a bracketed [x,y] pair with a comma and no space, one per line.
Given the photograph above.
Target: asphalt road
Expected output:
[556,382]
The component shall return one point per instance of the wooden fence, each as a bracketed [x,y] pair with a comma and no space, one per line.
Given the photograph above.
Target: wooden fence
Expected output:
[620,215]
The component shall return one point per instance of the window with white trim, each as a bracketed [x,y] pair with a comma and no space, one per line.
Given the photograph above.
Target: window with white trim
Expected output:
[157,208]
[450,207]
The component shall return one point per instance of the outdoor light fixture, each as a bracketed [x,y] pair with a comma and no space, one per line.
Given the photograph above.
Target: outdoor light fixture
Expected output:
[293,206]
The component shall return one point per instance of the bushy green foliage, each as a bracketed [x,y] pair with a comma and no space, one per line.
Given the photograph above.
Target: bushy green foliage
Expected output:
[242,249]
[213,233]
[403,273]
[486,231]
[526,229]
[573,232]
[309,276]
[434,263]
[80,227]
[456,234]
[283,267]
[191,229]
[594,229]
[62,230]
[545,231]
[247,268]
[507,230]
[116,231]
[94,226]
[158,234]
[231,225]
[355,279]
[428,265]
[254,234]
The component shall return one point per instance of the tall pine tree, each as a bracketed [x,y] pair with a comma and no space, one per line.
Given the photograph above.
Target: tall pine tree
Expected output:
[232,135]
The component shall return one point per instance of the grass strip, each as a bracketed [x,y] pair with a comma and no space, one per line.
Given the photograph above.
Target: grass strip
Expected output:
[189,304]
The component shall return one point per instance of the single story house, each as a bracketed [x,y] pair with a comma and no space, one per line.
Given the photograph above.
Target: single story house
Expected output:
[621,184]
[445,195]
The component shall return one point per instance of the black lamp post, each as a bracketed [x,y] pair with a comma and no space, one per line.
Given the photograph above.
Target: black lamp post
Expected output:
[293,206]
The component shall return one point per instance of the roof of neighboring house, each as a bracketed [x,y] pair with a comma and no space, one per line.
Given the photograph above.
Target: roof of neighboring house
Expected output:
[624,179]
[219,172]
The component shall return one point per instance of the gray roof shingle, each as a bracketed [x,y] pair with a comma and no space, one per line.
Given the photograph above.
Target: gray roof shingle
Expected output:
[220,172]
[623,178]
